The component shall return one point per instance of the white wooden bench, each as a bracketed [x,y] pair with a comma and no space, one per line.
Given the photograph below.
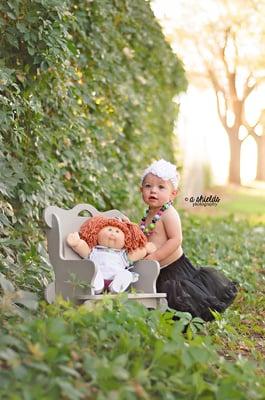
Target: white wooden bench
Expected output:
[74,276]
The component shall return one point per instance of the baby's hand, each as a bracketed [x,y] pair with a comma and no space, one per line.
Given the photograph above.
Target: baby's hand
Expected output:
[151,257]
[137,254]
[150,247]
[73,239]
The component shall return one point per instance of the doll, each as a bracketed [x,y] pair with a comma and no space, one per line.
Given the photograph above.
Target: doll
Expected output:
[112,245]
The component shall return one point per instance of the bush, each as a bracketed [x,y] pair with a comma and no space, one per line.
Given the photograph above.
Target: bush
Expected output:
[116,350]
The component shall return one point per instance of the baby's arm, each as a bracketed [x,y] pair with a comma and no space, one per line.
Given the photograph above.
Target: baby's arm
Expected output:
[172,226]
[140,253]
[78,245]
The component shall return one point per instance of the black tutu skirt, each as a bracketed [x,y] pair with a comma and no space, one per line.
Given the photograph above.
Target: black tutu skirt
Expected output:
[195,290]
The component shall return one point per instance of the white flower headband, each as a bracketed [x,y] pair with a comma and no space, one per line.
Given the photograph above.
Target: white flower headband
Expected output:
[164,170]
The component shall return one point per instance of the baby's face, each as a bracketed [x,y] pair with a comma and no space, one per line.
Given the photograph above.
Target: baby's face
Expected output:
[156,191]
[112,237]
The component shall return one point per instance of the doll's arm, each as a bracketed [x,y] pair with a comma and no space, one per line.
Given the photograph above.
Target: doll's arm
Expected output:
[78,245]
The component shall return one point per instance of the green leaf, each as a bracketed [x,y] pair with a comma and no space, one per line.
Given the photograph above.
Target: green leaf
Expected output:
[8,340]
[68,390]
[6,285]
[31,50]
[8,355]
[69,371]
[21,27]
[27,299]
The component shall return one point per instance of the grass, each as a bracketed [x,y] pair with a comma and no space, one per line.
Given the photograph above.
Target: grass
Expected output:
[244,202]
[231,237]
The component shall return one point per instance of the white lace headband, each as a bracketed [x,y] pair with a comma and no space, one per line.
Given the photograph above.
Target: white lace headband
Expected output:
[164,170]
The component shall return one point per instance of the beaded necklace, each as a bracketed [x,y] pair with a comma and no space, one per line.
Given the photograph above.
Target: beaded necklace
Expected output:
[148,230]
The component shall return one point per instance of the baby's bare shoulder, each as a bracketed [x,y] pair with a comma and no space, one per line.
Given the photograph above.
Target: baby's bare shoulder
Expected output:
[171,216]
[171,212]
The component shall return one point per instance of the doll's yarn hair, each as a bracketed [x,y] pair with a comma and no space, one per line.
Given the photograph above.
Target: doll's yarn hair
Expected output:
[134,237]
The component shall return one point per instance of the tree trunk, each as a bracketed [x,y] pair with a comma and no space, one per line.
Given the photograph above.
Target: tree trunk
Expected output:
[260,140]
[234,164]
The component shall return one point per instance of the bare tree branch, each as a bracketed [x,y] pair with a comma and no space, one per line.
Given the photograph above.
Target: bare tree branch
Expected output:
[251,128]
[222,117]
[248,87]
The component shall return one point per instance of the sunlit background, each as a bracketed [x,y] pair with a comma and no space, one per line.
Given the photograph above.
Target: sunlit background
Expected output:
[204,142]
[202,138]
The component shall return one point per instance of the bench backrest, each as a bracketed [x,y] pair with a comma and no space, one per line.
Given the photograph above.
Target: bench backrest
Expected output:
[70,221]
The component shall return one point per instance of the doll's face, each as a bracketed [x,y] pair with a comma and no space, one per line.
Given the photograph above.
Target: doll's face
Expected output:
[110,236]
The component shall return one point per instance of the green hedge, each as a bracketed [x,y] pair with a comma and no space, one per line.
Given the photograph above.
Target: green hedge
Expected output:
[86,92]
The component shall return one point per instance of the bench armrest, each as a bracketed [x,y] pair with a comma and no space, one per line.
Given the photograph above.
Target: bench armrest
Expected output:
[74,278]
[148,271]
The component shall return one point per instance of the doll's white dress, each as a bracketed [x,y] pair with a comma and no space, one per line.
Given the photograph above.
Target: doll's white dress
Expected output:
[112,266]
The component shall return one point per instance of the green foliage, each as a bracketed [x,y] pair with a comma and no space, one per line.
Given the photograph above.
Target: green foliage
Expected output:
[236,247]
[86,91]
[116,349]
[231,244]
[15,301]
